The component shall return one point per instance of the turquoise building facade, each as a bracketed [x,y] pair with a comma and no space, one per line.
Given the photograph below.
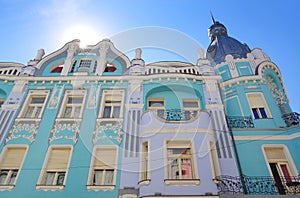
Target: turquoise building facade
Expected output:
[90,122]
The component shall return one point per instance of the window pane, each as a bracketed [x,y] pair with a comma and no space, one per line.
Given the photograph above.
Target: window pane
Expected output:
[3,176]
[106,113]
[156,103]
[98,177]
[116,113]
[68,112]
[37,112]
[75,100]
[60,178]
[13,177]
[173,169]
[190,104]
[263,112]
[109,176]
[255,113]
[37,100]
[77,112]
[186,167]
[49,178]
[285,172]
[29,112]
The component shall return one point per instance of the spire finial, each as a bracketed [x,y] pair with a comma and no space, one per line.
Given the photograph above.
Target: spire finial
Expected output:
[212,18]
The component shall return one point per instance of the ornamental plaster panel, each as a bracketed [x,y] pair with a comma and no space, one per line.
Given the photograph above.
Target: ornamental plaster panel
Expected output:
[111,130]
[24,129]
[65,129]
[55,97]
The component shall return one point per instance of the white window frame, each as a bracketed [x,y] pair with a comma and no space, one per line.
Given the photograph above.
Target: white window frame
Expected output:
[31,94]
[6,186]
[288,160]
[181,143]
[111,187]
[64,104]
[42,178]
[192,112]
[106,92]
[214,160]
[264,106]
[145,164]
[160,110]
[84,65]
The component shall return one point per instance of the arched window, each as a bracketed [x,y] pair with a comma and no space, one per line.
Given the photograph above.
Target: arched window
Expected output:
[110,67]
[57,67]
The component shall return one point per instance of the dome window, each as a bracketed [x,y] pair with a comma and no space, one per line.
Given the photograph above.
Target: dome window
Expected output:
[110,67]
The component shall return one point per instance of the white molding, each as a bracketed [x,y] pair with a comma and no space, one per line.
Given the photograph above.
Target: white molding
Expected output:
[268,137]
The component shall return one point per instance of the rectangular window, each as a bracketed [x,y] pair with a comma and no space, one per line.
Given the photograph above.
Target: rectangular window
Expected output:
[85,63]
[1,102]
[157,104]
[11,165]
[56,166]
[179,160]
[190,108]
[258,106]
[103,169]
[280,167]
[34,107]
[112,104]
[145,162]
[73,107]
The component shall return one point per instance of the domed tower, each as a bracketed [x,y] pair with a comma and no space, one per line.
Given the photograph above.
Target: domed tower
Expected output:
[221,44]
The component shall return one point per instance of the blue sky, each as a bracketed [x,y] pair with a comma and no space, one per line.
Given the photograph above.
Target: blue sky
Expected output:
[273,26]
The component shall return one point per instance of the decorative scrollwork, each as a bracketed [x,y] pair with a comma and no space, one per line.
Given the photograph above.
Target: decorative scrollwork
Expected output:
[65,129]
[240,122]
[108,129]
[177,114]
[291,119]
[26,129]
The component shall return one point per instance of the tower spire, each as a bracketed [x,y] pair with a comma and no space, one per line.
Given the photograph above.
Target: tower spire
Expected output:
[212,18]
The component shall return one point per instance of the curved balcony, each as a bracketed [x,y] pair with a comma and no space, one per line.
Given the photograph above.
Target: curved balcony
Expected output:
[258,185]
[291,119]
[164,120]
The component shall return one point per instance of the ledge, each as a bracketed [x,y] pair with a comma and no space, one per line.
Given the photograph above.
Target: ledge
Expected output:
[6,187]
[50,187]
[100,187]
[182,182]
[144,182]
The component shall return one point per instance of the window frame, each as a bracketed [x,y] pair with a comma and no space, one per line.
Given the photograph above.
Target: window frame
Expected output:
[90,182]
[107,92]
[7,186]
[41,183]
[84,60]
[32,94]
[181,144]
[256,109]
[160,110]
[75,94]
[145,164]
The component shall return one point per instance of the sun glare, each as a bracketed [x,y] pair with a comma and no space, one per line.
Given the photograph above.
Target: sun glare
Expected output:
[86,34]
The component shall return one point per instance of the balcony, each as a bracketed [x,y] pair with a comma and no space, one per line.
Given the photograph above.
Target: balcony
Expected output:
[263,185]
[240,122]
[177,114]
[291,119]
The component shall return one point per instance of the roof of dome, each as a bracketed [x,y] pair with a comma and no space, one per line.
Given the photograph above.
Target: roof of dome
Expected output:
[222,45]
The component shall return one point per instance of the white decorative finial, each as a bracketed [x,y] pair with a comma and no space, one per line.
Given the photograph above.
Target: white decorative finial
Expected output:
[40,54]
[200,53]
[138,53]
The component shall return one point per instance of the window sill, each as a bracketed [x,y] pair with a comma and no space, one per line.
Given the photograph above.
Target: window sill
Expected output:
[144,182]
[182,182]
[6,187]
[47,187]
[100,187]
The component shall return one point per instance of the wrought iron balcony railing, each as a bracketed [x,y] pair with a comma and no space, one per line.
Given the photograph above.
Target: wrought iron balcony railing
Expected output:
[291,119]
[177,114]
[258,185]
[240,122]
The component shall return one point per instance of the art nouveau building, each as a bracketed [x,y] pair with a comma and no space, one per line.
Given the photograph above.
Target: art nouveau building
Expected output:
[90,122]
